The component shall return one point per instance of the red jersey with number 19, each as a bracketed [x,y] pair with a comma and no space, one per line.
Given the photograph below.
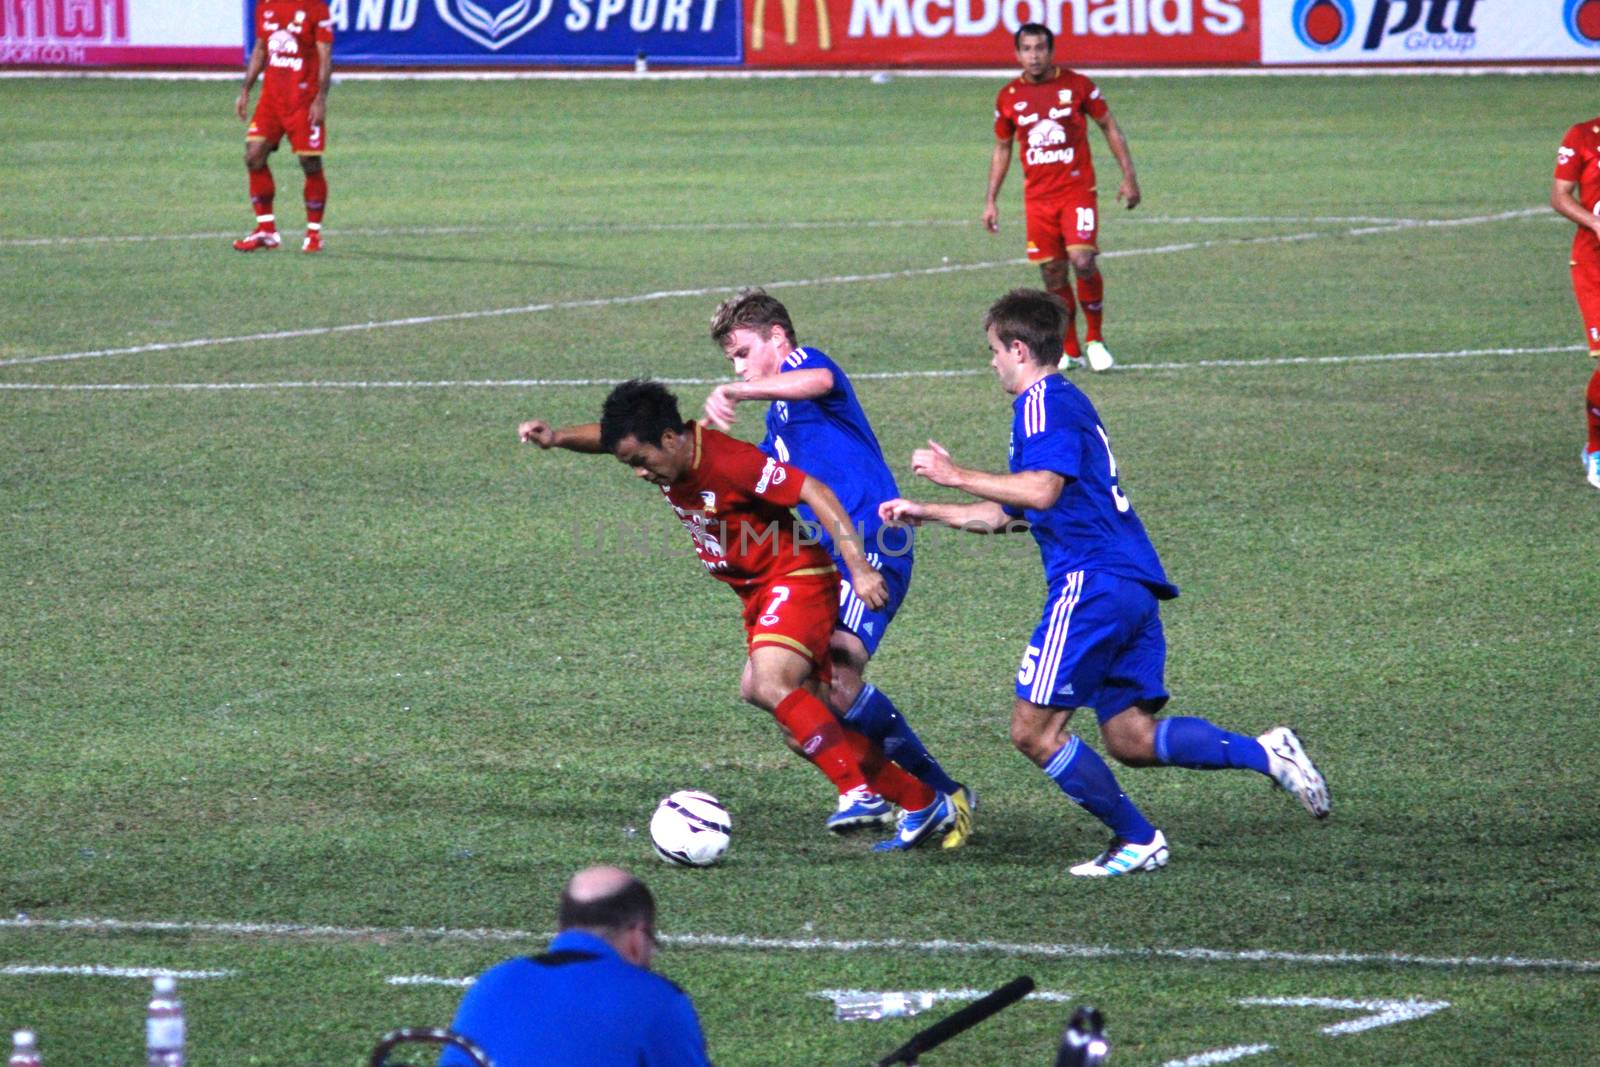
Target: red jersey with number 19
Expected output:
[1048,118]
[291,30]
[736,503]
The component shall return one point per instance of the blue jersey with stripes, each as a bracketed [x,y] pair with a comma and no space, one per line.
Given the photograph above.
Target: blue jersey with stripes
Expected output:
[829,438]
[1091,526]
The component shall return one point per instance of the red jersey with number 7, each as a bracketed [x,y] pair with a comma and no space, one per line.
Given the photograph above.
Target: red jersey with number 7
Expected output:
[736,502]
[291,29]
[1048,118]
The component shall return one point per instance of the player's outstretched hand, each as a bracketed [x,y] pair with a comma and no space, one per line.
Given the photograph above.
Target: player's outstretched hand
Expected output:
[933,463]
[719,407]
[900,510]
[991,218]
[870,587]
[1128,193]
[536,432]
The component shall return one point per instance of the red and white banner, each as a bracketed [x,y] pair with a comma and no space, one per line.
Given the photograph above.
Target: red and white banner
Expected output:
[92,33]
[978,33]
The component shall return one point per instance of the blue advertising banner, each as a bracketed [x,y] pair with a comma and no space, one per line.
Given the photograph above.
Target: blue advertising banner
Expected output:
[522,32]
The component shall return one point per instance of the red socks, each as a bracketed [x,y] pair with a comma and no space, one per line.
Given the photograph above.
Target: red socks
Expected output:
[1069,344]
[821,738]
[1592,396]
[888,779]
[316,198]
[261,192]
[1091,293]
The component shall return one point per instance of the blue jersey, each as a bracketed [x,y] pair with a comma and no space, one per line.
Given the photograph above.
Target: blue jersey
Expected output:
[1091,526]
[830,438]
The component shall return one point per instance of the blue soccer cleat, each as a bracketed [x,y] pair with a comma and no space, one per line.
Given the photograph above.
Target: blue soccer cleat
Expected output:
[915,827]
[860,808]
[1591,467]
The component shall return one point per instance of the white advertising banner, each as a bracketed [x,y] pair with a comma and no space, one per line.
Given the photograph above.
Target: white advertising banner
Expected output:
[87,33]
[1428,31]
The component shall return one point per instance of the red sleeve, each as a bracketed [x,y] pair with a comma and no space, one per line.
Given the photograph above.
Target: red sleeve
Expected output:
[324,24]
[1569,157]
[756,475]
[1004,128]
[1094,105]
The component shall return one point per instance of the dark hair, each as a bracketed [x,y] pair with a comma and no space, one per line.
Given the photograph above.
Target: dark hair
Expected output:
[628,906]
[640,409]
[1036,318]
[1034,29]
[750,309]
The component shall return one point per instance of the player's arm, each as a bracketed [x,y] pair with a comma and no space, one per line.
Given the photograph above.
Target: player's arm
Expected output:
[869,584]
[983,517]
[1128,191]
[1028,490]
[1564,198]
[795,385]
[581,437]
[317,110]
[999,163]
[252,71]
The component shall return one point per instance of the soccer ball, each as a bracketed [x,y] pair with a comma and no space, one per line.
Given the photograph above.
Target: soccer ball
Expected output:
[690,829]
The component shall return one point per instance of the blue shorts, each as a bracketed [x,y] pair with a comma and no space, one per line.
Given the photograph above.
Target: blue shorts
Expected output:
[855,616]
[1098,646]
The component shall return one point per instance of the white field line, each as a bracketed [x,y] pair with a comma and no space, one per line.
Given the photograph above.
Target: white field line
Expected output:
[668,294]
[1221,1055]
[1380,1012]
[428,979]
[541,383]
[744,943]
[96,970]
[1054,997]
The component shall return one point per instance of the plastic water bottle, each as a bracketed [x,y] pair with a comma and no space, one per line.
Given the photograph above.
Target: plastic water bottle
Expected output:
[848,1007]
[163,1025]
[641,63]
[24,1050]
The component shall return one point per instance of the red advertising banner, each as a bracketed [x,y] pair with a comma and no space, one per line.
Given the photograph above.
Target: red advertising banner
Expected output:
[89,33]
[977,33]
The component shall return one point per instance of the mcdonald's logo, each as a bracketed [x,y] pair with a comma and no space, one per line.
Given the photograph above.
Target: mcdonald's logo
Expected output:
[791,24]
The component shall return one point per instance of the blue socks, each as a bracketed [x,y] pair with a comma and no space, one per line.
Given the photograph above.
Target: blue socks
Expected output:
[875,715]
[1198,745]
[1085,778]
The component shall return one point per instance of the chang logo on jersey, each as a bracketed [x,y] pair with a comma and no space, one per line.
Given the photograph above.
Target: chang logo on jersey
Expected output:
[1043,139]
[284,51]
[1323,25]
[1582,19]
[493,27]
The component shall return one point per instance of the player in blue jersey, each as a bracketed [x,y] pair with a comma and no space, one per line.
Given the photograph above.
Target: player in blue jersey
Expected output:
[1099,644]
[815,421]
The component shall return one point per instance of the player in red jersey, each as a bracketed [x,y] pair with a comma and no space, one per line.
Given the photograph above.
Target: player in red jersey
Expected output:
[736,502]
[1575,194]
[1045,109]
[294,45]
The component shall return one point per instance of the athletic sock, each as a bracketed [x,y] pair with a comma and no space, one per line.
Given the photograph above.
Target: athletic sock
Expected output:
[261,193]
[1069,343]
[885,778]
[1199,745]
[1091,295]
[875,715]
[316,199]
[821,738]
[1593,398]
[1089,783]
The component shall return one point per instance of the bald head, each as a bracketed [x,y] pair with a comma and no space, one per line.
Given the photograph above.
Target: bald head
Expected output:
[605,900]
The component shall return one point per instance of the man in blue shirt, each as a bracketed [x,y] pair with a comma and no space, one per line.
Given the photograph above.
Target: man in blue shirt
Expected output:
[1099,644]
[590,1000]
[815,422]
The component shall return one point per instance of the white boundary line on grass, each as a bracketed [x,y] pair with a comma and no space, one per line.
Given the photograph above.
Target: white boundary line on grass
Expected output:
[102,925]
[539,383]
[95,970]
[668,294]
[1221,1055]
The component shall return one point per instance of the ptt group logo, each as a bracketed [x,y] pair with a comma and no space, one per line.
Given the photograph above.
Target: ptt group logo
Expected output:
[1582,19]
[1323,25]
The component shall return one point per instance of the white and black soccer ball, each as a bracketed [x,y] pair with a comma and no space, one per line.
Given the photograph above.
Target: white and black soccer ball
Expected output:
[690,829]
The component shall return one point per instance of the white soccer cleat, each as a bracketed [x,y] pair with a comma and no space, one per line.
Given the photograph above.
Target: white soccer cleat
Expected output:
[1292,769]
[1124,857]
[1591,468]
[1098,355]
[1071,362]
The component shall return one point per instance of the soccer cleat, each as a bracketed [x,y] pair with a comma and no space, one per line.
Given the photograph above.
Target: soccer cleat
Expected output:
[860,808]
[1591,467]
[915,827]
[313,241]
[1124,857]
[1293,770]
[259,240]
[1098,355]
[966,804]
[1071,362]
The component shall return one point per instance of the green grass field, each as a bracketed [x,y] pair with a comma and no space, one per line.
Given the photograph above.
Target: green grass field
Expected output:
[329,676]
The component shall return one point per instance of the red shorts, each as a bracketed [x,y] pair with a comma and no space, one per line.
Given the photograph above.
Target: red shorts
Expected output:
[1057,226]
[795,612]
[273,119]
[1586,287]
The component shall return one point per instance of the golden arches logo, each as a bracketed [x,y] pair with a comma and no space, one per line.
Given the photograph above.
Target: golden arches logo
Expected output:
[791,23]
